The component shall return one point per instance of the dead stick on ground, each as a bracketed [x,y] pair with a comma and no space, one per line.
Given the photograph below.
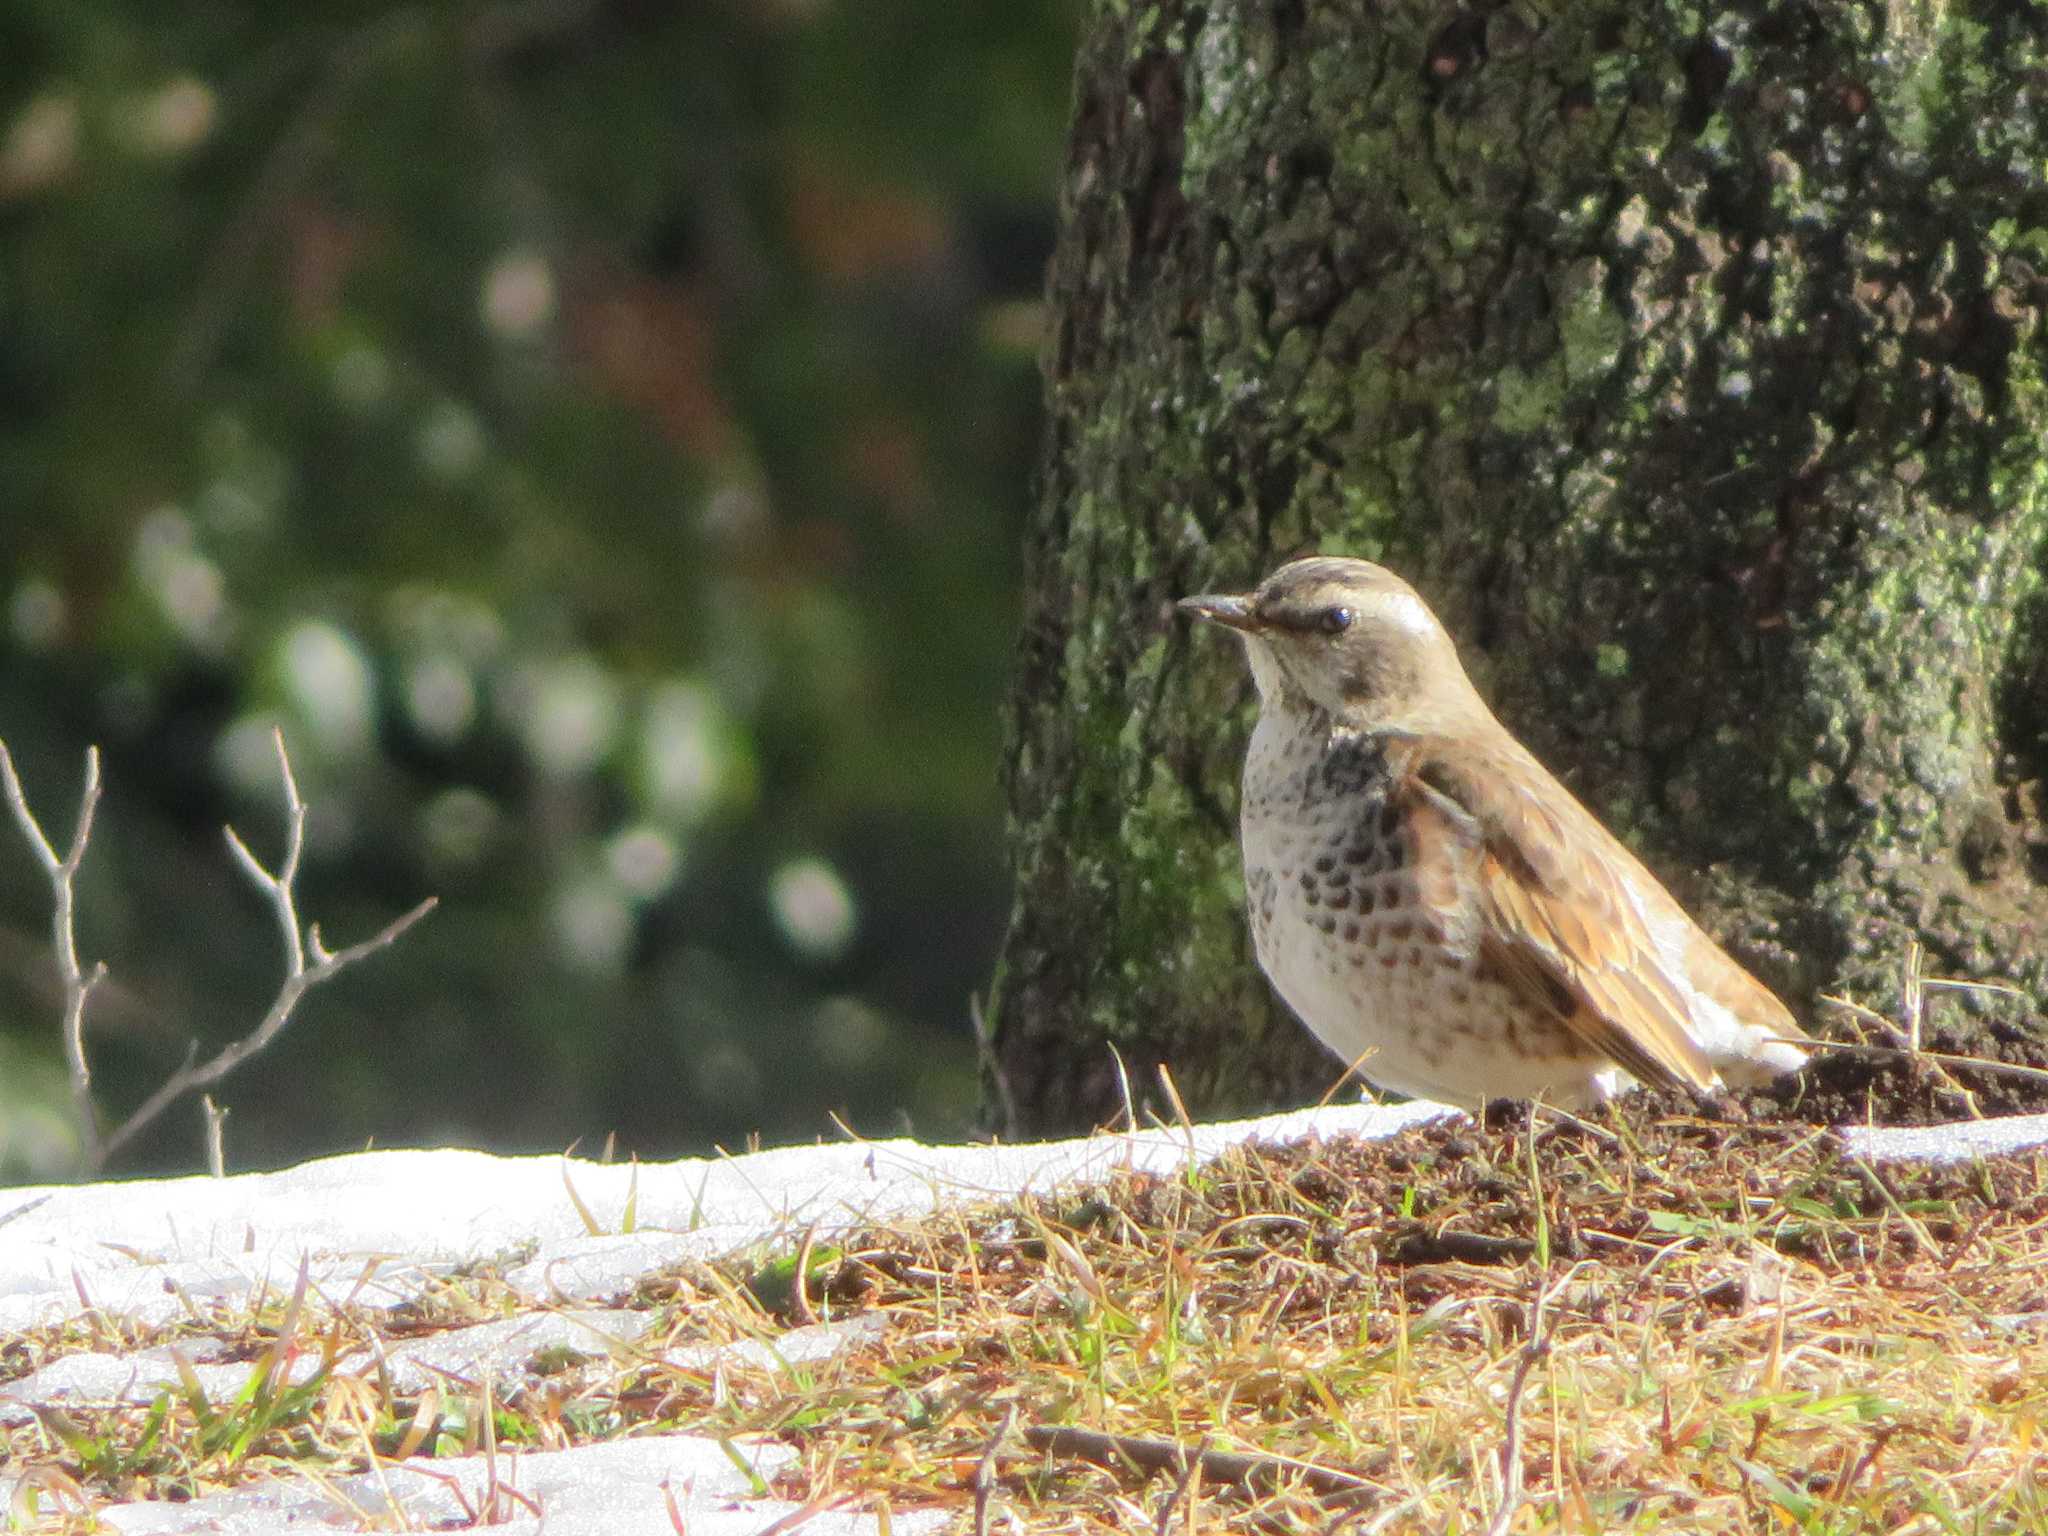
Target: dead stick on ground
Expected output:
[1238,1468]
[22,1210]
[1182,1489]
[985,1472]
[1534,1349]
[78,985]
[299,977]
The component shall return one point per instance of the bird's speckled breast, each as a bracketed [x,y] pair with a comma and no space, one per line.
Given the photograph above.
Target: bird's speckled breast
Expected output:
[1322,863]
[1341,927]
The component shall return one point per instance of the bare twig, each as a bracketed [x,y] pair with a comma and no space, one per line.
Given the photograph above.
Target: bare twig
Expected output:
[523,24]
[214,1118]
[799,1518]
[985,1471]
[1534,1348]
[992,1066]
[22,1209]
[1183,1488]
[1976,1063]
[1351,1074]
[299,978]
[1909,1037]
[78,985]
[231,264]
[1237,1468]
[307,142]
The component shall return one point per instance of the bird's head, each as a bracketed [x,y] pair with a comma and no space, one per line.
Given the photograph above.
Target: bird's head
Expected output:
[1349,638]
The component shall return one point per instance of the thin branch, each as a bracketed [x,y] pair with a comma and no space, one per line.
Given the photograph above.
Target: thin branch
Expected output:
[801,1517]
[1183,1488]
[1909,1037]
[525,24]
[213,1119]
[307,142]
[985,1471]
[1534,1348]
[1238,1468]
[231,264]
[278,887]
[992,1066]
[1988,1064]
[299,978]
[63,874]
[22,1210]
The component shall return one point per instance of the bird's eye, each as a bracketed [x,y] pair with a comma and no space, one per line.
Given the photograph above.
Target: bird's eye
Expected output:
[1336,620]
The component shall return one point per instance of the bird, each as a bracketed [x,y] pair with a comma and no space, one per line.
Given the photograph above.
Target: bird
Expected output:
[1439,910]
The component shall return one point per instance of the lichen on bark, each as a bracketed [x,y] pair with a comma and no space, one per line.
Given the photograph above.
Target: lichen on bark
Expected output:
[1688,356]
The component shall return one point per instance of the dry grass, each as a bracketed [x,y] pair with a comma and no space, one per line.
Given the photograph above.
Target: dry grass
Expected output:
[1655,1323]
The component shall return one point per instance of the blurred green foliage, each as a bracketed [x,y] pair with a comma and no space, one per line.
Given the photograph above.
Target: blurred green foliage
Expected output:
[598,434]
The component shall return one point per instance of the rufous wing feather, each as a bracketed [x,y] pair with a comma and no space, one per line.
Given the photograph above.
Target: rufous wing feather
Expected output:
[1555,922]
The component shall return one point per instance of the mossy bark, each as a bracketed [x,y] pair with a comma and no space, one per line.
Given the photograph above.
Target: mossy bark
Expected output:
[1688,356]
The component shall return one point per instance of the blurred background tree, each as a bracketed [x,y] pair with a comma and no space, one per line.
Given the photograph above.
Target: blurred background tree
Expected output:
[598,432]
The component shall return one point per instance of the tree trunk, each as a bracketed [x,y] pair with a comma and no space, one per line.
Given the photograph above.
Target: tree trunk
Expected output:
[1689,358]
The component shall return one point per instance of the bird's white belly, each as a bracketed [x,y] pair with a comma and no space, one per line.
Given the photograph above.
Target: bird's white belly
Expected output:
[1429,1030]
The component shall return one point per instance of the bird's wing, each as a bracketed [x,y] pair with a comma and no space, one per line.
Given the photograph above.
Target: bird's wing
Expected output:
[1555,922]
[1716,974]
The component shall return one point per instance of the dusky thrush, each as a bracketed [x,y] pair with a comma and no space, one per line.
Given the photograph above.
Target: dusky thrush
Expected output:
[1431,901]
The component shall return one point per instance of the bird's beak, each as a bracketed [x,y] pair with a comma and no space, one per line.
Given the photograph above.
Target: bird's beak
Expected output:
[1230,611]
